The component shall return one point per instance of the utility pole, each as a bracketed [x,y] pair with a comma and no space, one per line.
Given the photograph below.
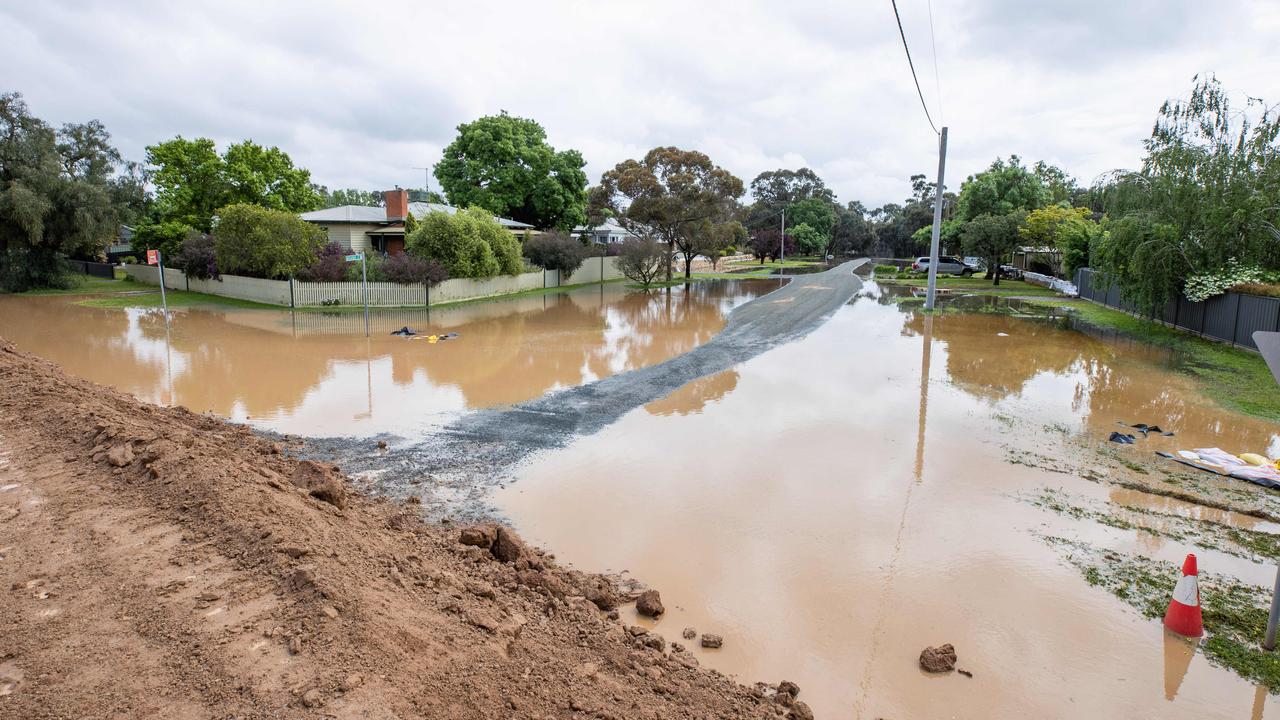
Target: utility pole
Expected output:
[937,222]
[782,240]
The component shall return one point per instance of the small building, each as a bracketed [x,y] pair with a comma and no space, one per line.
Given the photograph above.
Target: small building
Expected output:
[610,232]
[121,245]
[1043,260]
[361,228]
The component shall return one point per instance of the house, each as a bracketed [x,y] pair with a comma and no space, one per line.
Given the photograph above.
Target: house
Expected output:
[1044,260]
[608,233]
[120,245]
[381,229]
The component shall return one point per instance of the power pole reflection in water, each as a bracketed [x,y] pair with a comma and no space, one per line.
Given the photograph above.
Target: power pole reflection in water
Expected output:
[926,351]
[877,637]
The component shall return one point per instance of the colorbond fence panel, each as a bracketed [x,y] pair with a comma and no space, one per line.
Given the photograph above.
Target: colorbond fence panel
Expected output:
[1230,317]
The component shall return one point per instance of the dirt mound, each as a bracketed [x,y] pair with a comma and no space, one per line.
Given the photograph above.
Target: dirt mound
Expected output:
[232,580]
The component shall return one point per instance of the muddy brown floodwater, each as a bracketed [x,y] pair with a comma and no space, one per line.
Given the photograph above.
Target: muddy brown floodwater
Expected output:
[316,374]
[837,504]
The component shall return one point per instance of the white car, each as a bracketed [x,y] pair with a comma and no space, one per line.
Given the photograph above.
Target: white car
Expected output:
[947,265]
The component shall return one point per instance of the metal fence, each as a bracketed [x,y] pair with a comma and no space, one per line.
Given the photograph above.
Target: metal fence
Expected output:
[1230,317]
[96,269]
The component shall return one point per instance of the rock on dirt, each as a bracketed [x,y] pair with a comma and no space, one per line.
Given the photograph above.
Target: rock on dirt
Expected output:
[478,535]
[322,482]
[120,455]
[507,546]
[650,603]
[710,640]
[689,633]
[938,659]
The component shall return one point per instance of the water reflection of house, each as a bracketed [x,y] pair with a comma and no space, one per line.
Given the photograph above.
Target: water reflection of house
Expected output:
[381,229]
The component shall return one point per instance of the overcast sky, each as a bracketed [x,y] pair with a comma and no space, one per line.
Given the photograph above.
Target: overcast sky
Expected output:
[362,92]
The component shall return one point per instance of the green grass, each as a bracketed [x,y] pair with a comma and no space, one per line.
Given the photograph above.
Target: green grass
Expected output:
[978,285]
[85,285]
[1235,378]
[150,298]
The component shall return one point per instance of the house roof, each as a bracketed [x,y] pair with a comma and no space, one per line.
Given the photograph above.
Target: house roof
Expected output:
[378,215]
[610,225]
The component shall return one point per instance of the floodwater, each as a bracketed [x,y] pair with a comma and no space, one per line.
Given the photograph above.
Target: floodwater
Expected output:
[837,504]
[316,374]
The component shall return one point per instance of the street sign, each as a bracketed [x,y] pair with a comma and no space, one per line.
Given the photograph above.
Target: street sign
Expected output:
[354,258]
[153,257]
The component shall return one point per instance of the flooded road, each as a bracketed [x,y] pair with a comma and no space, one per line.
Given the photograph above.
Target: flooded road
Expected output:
[839,503]
[316,374]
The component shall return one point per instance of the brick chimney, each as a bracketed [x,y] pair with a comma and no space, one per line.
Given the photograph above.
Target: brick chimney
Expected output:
[397,202]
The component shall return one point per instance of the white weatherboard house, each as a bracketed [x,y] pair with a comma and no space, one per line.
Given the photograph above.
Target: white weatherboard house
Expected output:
[381,229]
[607,233]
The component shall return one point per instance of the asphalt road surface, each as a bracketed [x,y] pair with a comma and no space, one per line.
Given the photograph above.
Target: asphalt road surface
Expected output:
[457,467]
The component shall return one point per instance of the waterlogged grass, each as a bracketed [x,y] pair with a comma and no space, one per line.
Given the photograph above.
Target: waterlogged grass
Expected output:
[1252,545]
[135,296]
[1234,378]
[978,285]
[1235,613]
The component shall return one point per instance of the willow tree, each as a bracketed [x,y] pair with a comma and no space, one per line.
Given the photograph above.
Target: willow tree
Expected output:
[1208,191]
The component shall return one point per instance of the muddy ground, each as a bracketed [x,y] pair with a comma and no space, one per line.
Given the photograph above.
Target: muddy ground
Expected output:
[454,472]
[158,563]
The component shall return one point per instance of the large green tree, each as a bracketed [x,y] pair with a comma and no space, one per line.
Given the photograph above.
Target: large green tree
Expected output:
[819,215]
[1006,186]
[992,237]
[676,196]
[504,164]
[192,180]
[60,194]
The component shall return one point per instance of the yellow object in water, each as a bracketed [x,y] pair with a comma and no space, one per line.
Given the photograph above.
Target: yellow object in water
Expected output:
[1254,459]
[432,338]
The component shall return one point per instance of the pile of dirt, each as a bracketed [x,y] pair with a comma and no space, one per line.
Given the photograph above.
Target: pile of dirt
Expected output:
[158,563]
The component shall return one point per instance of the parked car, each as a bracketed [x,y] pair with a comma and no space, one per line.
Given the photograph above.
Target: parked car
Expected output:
[977,263]
[947,265]
[1011,272]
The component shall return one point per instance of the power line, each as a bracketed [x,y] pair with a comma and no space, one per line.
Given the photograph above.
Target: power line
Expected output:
[912,65]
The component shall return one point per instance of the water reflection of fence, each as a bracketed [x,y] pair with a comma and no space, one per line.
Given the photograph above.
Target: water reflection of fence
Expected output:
[1230,317]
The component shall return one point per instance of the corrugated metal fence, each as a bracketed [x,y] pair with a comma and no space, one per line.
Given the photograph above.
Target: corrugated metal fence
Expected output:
[96,269]
[1230,317]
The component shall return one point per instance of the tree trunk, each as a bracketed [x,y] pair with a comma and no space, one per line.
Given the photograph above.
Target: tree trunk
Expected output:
[995,270]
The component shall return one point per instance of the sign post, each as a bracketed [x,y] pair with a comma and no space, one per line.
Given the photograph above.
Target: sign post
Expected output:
[364,287]
[153,258]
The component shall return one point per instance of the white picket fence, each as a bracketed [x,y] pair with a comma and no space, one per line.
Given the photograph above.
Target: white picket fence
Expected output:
[295,293]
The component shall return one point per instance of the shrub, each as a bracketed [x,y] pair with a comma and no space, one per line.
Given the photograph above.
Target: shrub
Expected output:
[1206,285]
[373,270]
[196,257]
[556,251]
[258,242]
[129,260]
[330,265]
[167,237]
[505,246]
[886,269]
[457,243]
[406,268]
[641,260]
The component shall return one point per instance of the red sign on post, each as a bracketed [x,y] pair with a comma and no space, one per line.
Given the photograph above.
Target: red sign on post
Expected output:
[153,257]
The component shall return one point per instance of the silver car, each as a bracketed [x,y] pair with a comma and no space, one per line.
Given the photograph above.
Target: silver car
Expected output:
[947,265]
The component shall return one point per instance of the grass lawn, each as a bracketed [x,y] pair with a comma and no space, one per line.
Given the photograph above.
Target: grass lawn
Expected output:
[85,285]
[1235,378]
[977,284]
[133,295]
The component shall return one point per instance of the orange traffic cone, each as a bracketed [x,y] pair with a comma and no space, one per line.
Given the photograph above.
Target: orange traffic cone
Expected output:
[1183,615]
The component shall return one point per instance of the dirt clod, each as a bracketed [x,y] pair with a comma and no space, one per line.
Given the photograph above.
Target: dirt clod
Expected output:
[507,546]
[478,535]
[650,603]
[938,659]
[710,640]
[322,482]
[689,633]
